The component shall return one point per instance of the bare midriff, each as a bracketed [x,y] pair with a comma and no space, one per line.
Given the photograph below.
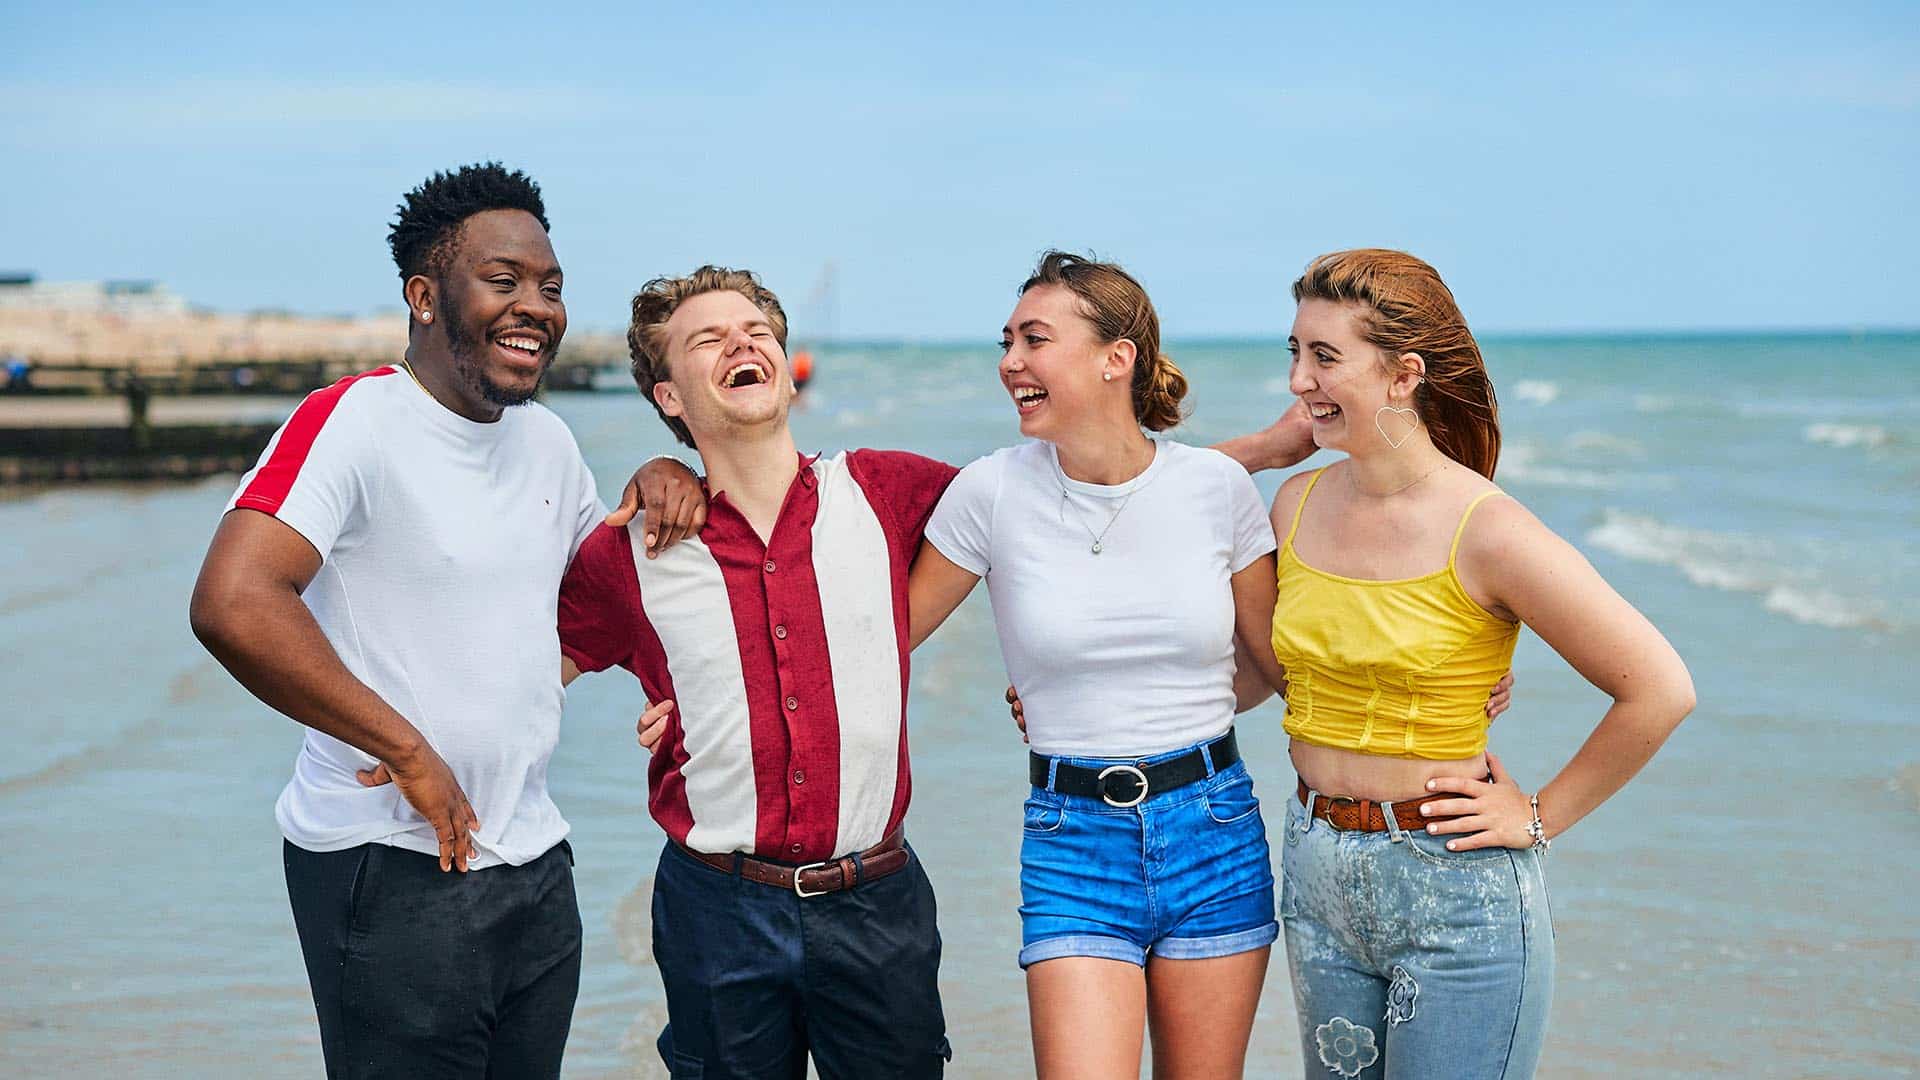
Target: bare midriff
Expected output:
[1375,777]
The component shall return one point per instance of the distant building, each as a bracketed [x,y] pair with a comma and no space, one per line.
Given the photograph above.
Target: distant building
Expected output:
[21,291]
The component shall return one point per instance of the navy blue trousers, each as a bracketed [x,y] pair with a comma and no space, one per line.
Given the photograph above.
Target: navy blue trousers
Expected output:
[422,974]
[758,978]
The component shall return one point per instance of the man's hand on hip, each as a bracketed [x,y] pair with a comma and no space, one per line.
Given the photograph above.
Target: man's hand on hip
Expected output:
[429,787]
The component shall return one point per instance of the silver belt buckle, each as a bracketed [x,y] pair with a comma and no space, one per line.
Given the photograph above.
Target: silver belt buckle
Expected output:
[798,889]
[1138,773]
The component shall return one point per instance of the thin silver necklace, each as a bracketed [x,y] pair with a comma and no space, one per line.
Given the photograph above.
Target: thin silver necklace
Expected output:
[1099,538]
[1078,520]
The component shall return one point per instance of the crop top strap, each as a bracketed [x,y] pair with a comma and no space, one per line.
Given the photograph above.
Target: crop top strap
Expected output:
[1461,530]
[1297,510]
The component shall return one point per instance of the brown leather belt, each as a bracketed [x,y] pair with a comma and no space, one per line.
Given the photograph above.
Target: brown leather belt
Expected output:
[814,879]
[1349,814]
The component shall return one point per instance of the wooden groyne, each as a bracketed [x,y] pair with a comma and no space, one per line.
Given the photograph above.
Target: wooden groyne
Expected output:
[74,440]
[100,395]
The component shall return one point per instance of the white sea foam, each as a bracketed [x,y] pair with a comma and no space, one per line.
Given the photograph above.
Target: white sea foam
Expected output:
[1537,391]
[1604,443]
[1557,476]
[1847,436]
[1823,608]
[1521,461]
[1735,563]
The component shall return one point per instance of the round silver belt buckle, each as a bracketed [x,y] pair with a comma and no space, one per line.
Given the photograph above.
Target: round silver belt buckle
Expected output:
[1139,775]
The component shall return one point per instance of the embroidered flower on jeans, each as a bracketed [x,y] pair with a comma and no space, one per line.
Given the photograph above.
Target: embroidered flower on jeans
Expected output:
[1401,993]
[1346,1047]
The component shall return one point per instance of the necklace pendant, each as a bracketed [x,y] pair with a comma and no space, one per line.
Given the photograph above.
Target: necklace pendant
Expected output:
[1096,547]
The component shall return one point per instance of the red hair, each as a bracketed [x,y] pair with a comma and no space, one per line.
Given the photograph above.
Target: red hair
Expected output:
[1406,308]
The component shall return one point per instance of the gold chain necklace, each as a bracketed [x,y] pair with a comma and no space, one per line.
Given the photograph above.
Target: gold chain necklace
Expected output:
[1355,484]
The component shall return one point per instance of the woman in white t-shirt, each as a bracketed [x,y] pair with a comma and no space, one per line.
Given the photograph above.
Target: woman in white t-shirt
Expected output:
[1122,570]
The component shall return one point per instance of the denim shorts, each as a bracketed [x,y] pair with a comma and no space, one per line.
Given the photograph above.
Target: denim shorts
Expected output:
[1184,875]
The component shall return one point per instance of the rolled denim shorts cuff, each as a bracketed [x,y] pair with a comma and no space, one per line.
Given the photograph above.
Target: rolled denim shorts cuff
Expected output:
[1098,946]
[1206,948]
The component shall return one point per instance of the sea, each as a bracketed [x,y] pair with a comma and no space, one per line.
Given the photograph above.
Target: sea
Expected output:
[1745,908]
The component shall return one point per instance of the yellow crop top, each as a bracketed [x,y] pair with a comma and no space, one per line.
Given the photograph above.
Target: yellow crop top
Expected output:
[1396,668]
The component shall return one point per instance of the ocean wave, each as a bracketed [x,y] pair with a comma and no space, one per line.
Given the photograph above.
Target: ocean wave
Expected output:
[1819,607]
[1558,476]
[1825,407]
[1907,783]
[1846,436]
[1521,461]
[1731,562]
[1536,391]
[1604,443]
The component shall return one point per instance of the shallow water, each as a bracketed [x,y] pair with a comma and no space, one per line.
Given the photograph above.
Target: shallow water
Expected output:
[1743,909]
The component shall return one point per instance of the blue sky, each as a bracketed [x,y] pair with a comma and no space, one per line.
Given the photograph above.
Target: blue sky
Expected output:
[1614,166]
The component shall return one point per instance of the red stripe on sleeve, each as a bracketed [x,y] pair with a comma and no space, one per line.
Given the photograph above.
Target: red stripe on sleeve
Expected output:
[274,480]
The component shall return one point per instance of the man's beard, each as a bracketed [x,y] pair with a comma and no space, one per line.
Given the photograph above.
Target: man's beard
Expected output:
[470,364]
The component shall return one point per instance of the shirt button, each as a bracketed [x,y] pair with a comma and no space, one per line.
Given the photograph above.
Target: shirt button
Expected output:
[767,566]
[795,849]
[799,777]
[780,632]
[792,703]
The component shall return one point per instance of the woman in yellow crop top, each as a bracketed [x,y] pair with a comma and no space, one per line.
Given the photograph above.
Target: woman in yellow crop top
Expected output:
[1412,895]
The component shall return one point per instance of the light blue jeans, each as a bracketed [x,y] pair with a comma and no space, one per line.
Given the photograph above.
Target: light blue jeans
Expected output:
[1412,961]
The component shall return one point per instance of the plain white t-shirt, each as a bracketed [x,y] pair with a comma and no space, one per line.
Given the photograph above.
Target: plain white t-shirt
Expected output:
[443,543]
[1124,653]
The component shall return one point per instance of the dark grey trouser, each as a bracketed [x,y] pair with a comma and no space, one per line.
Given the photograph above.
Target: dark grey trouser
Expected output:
[418,973]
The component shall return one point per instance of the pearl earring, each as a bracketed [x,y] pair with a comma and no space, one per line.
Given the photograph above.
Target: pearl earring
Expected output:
[426,316]
[1106,376]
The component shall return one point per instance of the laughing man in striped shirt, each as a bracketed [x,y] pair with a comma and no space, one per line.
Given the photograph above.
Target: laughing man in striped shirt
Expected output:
[790,916]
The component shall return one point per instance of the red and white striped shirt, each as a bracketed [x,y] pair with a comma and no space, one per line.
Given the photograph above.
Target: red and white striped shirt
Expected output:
[786,661]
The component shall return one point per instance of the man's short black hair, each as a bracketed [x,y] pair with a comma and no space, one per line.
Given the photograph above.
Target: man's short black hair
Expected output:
[424,233]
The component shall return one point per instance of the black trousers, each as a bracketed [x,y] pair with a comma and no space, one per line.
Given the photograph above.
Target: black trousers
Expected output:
[421,974]
[758,978]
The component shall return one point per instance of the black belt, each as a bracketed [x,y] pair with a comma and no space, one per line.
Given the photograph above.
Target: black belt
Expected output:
[1129,783]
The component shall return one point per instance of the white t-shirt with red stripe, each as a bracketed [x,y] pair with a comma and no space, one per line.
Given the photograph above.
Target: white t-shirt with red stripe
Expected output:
[442,542]
[786,661]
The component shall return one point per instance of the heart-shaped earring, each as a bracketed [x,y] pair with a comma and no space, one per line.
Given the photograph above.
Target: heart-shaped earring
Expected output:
[1413,424]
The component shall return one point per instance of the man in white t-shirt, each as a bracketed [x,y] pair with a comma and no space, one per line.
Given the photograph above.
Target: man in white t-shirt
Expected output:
[388,575]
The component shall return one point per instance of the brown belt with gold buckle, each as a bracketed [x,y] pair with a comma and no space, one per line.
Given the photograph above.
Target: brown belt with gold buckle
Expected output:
[1349,814]
[815,879]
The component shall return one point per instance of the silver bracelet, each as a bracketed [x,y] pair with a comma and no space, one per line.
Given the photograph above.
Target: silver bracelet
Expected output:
[1536,829]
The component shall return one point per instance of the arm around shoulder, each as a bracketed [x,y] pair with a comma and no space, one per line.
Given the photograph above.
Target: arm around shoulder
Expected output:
[1287,441]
